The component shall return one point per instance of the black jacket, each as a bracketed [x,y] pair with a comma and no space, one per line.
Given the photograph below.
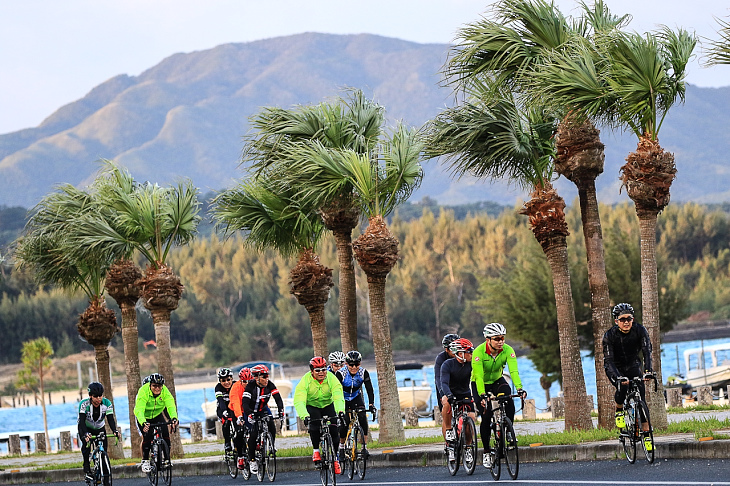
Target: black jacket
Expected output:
[621,351]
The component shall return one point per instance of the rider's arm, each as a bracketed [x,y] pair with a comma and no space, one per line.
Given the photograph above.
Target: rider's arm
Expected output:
[169,402]
[338,394]
[437,372]
[220,396]
[446,378]
[140,403]
[82,420]
[300,396]
[646,349]
[277,398]
[235,396]
[110,415]
[512,366]
[340,376]
[247,403]
[608,358]
[477,367]
[369,387]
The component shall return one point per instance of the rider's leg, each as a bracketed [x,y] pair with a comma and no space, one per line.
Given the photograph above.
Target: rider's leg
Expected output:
[253,433]
[446,417]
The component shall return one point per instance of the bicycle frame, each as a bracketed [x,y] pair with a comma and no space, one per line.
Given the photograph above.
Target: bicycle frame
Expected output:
[504,437]
[636,414]
[97,454]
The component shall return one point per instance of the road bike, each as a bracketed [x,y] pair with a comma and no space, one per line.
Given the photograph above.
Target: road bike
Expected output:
[161,467]
[354,451]
[102,470]
[265,454]
[230,456]
[636,413]
[326,465]
[464,445]
[502,439]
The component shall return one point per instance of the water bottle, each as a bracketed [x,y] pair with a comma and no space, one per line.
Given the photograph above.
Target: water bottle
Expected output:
[630,414]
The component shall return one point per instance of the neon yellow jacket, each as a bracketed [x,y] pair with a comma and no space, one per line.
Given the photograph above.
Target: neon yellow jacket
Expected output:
[311,392]
[486,369]
[147,406]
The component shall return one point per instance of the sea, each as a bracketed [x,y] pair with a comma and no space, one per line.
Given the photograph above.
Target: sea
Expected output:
[63,416]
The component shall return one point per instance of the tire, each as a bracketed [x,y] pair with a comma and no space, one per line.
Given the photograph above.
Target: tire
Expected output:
[333,458]
[152,475]
[230,459]
[348,448]
[511,453]
[360,449]
[469,445]
[246,471]
[453,466]
[644,416]
[164,467]
[629,436]
[106,469]
[324,451]
[269,456]
[495,448]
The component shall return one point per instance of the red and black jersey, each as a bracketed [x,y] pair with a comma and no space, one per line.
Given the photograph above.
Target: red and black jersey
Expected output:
[255,398]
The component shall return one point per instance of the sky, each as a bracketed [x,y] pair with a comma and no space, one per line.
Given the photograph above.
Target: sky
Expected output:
[54,52]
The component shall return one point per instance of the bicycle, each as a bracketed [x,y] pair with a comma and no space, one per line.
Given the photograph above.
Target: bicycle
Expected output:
[230,457]
[326,465]
[465,438]
[102,471]
[160,457]
[265,455]
[354,450]
[503,440]
[636,412]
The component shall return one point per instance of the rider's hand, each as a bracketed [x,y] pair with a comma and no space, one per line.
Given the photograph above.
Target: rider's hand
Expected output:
[240,420]
[118,433]
[522,393]
[306,421]
[146,427]
[174,424]
[87,437]
[372,408]
[444,400]
[251,420]
[648,375]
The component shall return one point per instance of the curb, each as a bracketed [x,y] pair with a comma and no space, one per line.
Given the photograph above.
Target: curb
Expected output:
[717,449]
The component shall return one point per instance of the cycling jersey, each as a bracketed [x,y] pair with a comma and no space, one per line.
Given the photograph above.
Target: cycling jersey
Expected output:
[352,384]
[486,369]
[148,406]
[313,393]
[222,394]
[92,418]
[456,378]
[256,398]
[442,356]
[621,352]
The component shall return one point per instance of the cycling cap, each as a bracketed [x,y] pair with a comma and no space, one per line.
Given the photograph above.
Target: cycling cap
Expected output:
[622,308]
[448,339]
[224,373]
[317,362]
[96,389]
[337,357]
[461,345]
[353,357]
[259,369]
[157,379]
[494,329]
[245,374]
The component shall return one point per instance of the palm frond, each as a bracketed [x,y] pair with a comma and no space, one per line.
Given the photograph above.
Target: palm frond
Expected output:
[719,50]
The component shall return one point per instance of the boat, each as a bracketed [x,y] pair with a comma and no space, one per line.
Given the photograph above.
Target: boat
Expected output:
[411,394]
[708,365]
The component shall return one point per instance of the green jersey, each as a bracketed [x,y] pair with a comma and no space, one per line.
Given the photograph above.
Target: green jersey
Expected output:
[486,369]
[92,421]
[311,392]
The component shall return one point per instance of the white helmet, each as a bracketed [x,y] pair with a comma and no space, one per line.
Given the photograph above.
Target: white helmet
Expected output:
[337,357]
[494,329]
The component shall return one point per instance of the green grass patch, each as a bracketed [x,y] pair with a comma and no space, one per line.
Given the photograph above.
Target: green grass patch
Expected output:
[698,408]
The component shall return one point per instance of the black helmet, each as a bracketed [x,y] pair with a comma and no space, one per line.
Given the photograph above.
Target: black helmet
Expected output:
[448,339]
[96,389]
[146,380]
[225,373]
[353,357]
[622,308]
[157,379]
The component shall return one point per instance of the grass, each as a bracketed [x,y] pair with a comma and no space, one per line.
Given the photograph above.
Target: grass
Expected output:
[698,408]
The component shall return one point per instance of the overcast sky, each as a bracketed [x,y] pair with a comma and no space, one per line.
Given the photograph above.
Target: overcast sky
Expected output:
[53,52]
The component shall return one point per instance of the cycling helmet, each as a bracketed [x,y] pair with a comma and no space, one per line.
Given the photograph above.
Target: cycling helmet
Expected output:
[224,373]
[353,357]
[245,374]
[448,339]
[96,389]
[622,308]
[259,369]
[157,379]
[146,380]
[337,357]
[461,345]
[317,362]
[494,329]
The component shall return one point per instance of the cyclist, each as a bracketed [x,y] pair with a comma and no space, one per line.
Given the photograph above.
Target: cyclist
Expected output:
[153,400]
[256,401]
[442,356]
[487,367]
[319,394]
[337,361]
[353,377]
[236,404]
[455,385]
[92,413]
[224,412]
[621,347]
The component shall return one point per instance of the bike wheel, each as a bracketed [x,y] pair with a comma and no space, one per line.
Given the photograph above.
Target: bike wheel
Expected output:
[269,456]
[164,467]
[230,459]
[246,471]
[361,453]
[152,475]
[106,469]
[495,450]
[333,457]
[324,452]
[647,437]
[348,455]
[511,455]
[629,435]
[453,465]
[469,445]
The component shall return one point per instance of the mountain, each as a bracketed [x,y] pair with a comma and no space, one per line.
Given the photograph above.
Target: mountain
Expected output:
[185,118]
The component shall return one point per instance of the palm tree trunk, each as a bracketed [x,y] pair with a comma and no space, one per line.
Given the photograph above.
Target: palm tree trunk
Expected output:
[319,329]
[103,370]
[161,319]
[43,406]
[600,299]
[391,424]
[130,337]
[577,415]
[650,312]
[348,298]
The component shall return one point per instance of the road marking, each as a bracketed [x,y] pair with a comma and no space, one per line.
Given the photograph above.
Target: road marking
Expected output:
[563,481]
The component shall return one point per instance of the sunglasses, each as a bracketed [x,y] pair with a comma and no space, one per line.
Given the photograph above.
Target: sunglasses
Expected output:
[155,385]
[498,339]
[625,319]
[224,380]
[319,370]
[262,375]
[95,396]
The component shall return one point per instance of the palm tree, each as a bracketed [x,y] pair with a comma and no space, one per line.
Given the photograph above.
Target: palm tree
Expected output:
[273,219]
[510,48]
[632,81]
[719,51]
[352,124]
[488,136]
[47,248]
[150,219]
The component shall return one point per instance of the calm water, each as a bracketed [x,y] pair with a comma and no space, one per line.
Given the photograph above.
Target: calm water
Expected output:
[189,401]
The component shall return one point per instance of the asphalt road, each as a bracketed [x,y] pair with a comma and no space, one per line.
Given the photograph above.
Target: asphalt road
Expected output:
[684,472]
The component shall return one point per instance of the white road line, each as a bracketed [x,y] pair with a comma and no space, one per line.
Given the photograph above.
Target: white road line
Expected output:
[562,481]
